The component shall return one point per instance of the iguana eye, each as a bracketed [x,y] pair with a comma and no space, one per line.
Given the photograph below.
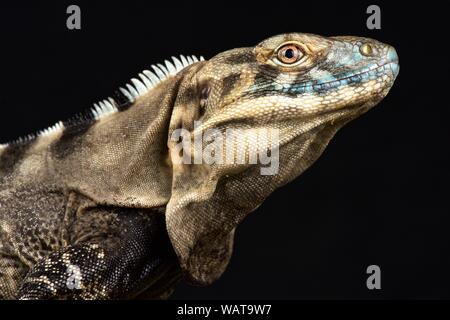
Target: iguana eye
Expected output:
[289,54]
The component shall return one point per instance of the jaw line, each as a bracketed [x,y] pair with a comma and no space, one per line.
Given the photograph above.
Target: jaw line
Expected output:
[361,73]
[304,84]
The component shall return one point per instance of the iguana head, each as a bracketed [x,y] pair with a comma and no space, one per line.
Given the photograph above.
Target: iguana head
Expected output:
[300,87]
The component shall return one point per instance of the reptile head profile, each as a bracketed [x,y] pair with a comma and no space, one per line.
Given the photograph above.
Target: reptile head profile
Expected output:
[299,87]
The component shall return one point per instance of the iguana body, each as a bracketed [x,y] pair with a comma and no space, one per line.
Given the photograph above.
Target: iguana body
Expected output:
[98,208]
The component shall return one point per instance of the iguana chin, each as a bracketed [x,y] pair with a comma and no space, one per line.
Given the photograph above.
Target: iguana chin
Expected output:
[97,208]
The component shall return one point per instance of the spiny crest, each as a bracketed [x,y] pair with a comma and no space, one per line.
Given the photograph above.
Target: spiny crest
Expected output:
[139,86]
[149,79]
[104,108]
[57,126]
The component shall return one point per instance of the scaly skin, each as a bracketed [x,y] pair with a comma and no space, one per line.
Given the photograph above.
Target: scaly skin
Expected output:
[103,209]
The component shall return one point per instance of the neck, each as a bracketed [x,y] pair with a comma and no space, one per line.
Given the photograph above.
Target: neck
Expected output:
[122,154]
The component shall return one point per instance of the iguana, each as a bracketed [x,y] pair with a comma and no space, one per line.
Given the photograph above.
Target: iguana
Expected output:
[98,208]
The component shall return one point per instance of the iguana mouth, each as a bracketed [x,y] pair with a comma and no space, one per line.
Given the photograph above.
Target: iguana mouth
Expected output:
[388,66]
[369,73]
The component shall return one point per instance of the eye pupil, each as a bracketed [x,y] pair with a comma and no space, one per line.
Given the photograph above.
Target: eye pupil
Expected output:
[289,53]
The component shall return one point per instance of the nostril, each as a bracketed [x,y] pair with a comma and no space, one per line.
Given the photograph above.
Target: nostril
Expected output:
[392,54]
[366,49]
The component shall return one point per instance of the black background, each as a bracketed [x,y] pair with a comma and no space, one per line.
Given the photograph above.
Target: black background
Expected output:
[378,195]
